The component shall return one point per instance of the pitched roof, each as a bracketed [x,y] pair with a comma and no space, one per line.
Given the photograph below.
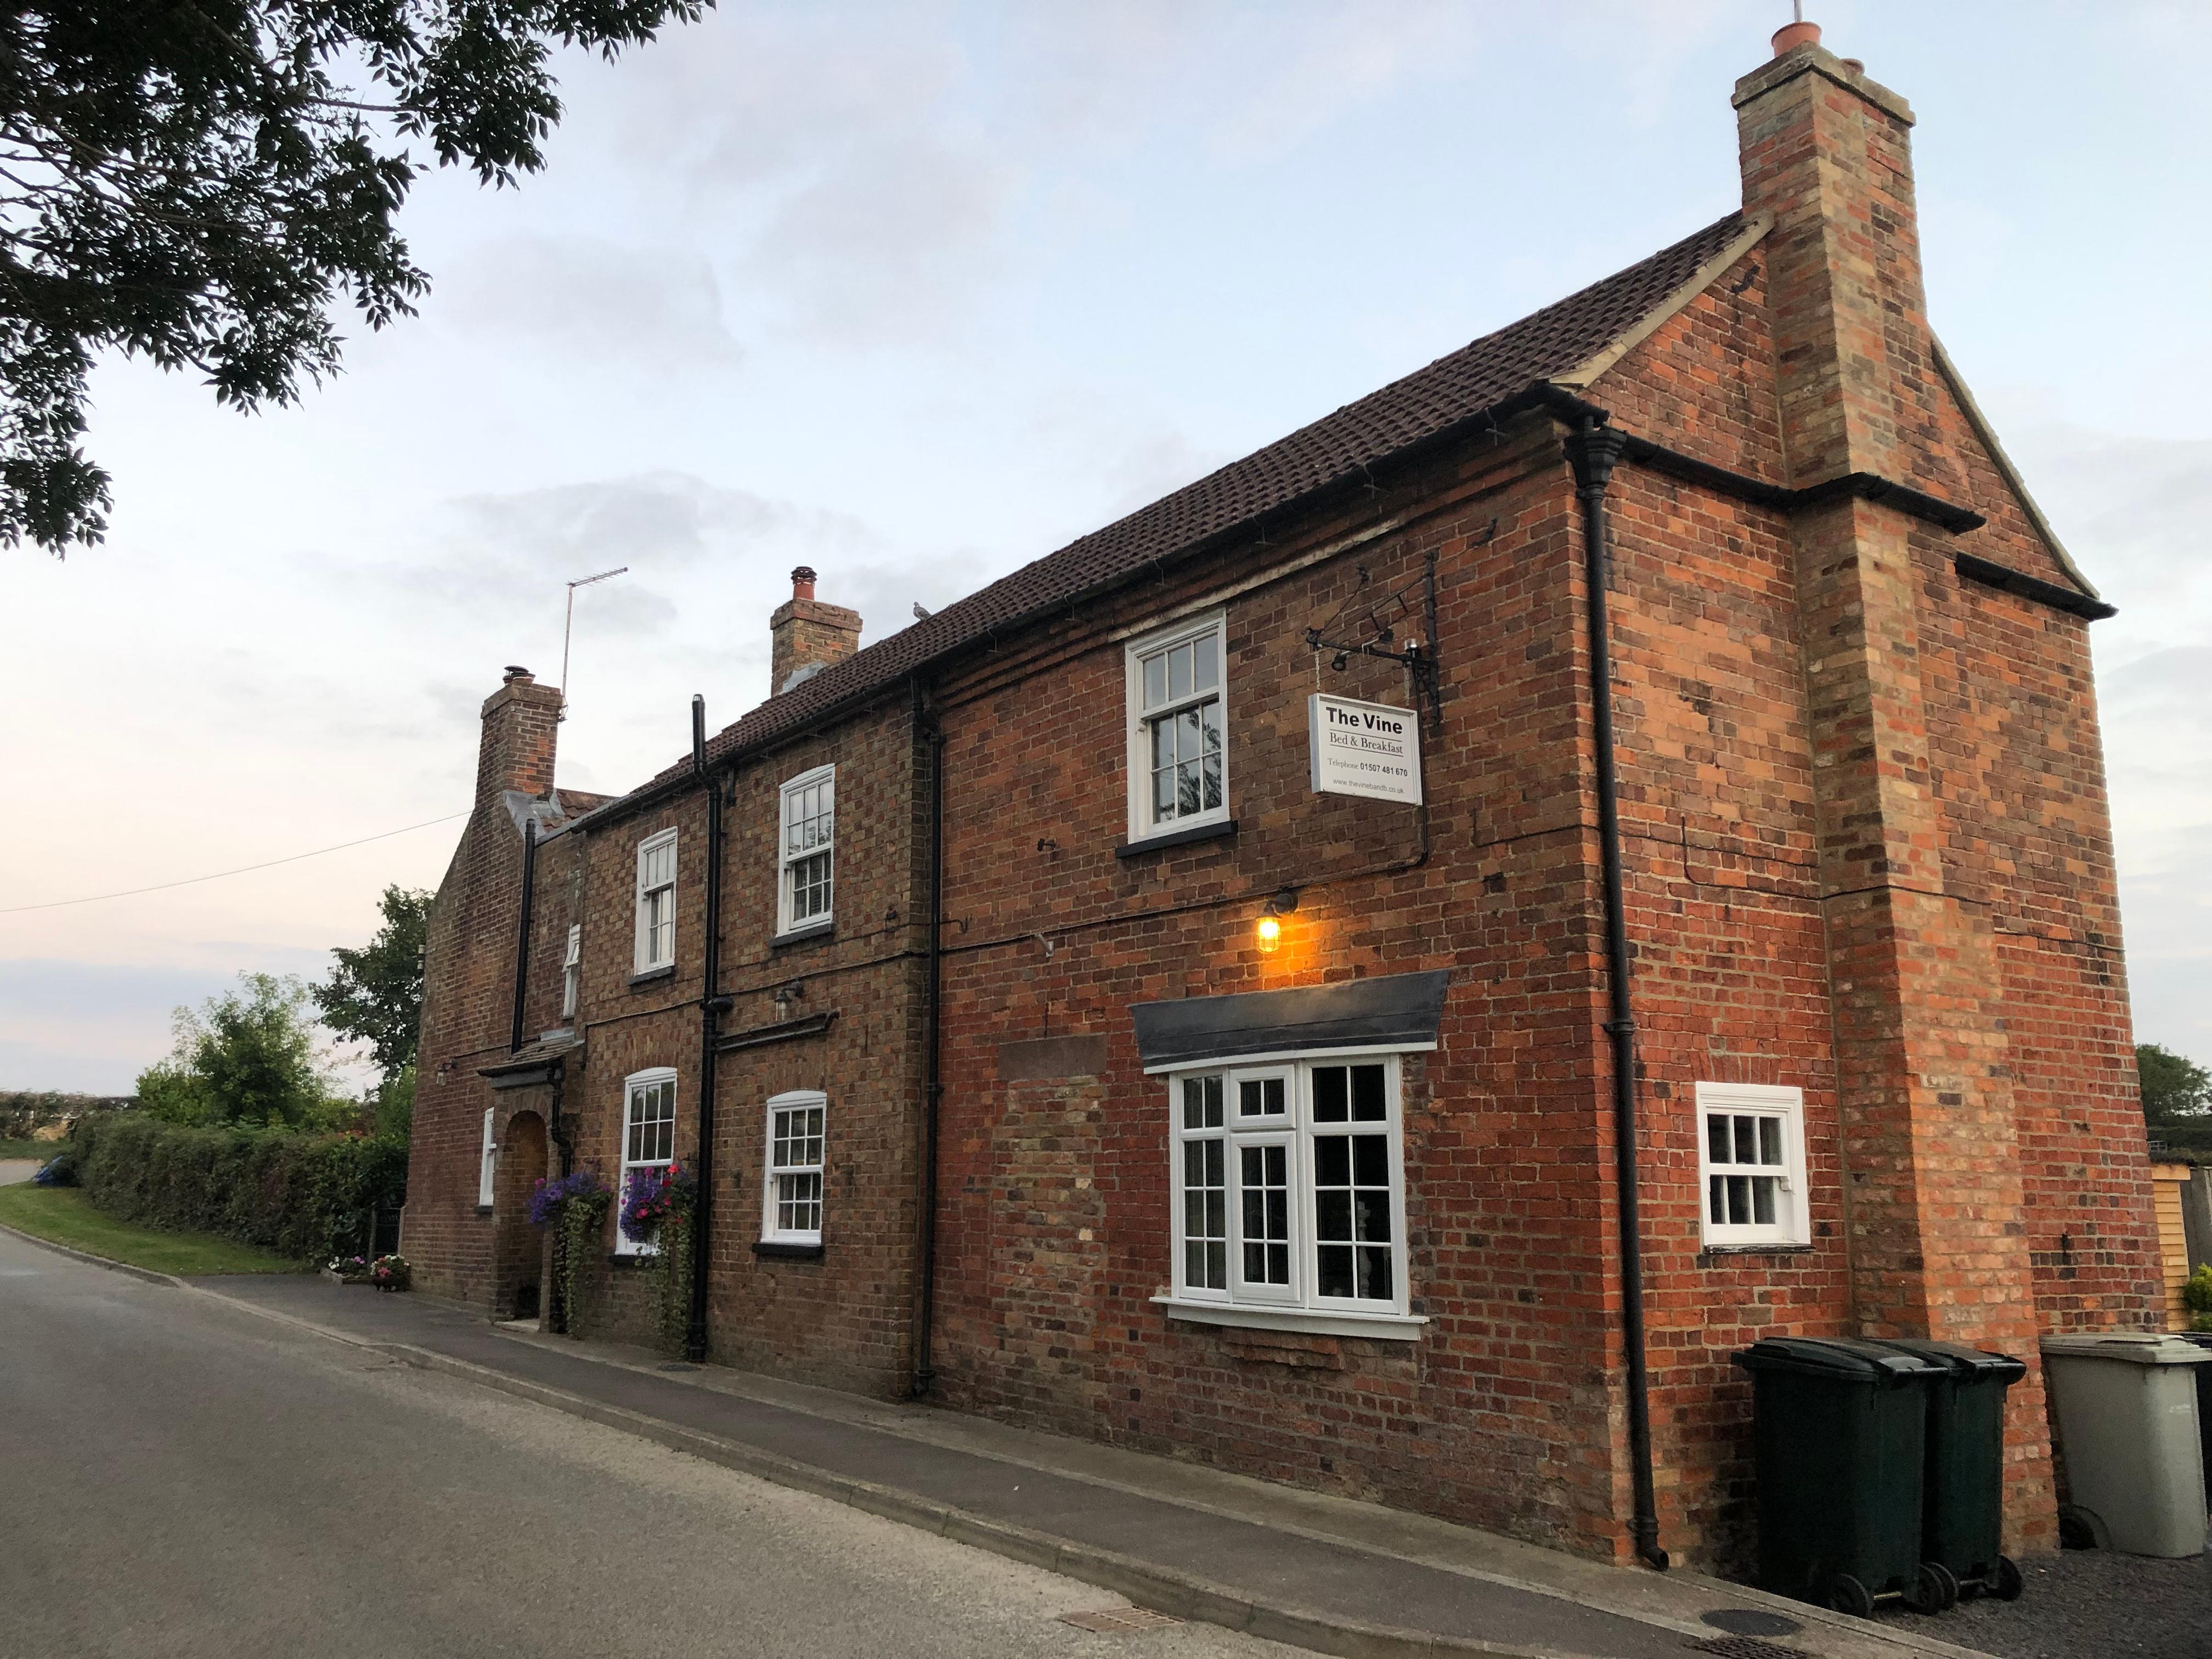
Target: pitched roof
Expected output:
[1460,387]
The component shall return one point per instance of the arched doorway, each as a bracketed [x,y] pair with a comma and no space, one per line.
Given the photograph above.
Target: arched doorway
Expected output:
[519,1248]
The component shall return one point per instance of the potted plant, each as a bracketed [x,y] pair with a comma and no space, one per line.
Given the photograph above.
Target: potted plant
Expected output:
[657,1210]
[347,1269]
[390,1272]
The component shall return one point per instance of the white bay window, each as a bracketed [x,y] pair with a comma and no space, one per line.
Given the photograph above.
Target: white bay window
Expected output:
[1289,1196]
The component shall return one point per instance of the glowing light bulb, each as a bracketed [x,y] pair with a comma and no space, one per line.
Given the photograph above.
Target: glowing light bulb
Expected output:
[1270,932]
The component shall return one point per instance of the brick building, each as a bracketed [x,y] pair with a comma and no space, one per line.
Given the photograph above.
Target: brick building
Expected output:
[1070,1055]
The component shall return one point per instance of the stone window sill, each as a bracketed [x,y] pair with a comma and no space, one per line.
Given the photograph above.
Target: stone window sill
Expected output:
[651,977]
[1756,1249]
[483,1209]
[777,1249]
[1385,1328]
[1221,830]
[805,935]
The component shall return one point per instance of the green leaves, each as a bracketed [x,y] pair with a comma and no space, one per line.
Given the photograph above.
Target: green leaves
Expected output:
[200,182]
[2174,1087]
[374,994]
[247,1057]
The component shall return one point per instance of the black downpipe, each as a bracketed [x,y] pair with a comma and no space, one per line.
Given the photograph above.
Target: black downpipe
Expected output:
[1593,452]
[932,1083]
[712,1002]
[522,930]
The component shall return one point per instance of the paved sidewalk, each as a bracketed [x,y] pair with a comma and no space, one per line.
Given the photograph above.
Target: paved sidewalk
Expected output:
[13,1170]
[1326,1573]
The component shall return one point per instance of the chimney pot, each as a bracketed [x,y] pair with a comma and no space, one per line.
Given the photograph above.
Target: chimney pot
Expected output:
[1855,66]
[802,582]
[515,672]
[1791,36]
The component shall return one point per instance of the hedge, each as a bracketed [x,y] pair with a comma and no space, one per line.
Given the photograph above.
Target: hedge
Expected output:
[300,1195]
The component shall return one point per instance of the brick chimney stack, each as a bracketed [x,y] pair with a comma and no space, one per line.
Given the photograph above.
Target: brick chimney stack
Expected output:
[521,724]
[808,635]
[1923,1079]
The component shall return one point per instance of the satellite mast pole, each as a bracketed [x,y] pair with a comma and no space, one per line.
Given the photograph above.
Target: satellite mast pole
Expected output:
[568,625]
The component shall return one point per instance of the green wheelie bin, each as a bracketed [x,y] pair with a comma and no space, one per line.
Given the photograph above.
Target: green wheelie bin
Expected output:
[1963,1505]
[1839,1433]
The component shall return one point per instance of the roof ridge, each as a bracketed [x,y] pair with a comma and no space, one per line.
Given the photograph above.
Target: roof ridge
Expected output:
[1461,384]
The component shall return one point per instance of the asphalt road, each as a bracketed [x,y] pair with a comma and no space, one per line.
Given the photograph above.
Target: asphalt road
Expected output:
[179,1477]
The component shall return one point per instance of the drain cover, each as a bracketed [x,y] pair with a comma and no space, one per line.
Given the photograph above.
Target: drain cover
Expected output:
[1749,1621]
[1742,1647]
[1119,1618]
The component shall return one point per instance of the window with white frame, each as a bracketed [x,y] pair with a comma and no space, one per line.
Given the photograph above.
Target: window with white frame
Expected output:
[1178,729]
[792,1206]
[1290,1194]
[809,834]
[648,1137]
[1751,1164]
[487,1165]
[572,969]
[656,902]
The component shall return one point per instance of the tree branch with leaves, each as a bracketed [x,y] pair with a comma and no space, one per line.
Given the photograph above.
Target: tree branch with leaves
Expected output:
[202,182]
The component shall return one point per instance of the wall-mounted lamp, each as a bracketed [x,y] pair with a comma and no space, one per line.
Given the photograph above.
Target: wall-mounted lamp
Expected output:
[1269,933]
[787,994]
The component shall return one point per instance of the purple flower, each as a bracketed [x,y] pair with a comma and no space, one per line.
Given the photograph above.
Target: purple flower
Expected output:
[548,1198]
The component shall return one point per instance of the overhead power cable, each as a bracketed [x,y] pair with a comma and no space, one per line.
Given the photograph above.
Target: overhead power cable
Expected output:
[243,870]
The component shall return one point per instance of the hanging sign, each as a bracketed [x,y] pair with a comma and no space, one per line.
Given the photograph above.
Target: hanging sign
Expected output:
[1367,749]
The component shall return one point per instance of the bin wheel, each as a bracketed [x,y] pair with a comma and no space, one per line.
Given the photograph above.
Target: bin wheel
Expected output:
[1848,1595]
[1933,1589]
[2009,1583]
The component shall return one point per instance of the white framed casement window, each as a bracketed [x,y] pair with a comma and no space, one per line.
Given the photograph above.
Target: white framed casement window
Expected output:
[807,837]
[648,1138]
[656,902]
[1288,1209]
[791,1210]
[1178,728]
[572,971]
[487,1164]
[1751,1165]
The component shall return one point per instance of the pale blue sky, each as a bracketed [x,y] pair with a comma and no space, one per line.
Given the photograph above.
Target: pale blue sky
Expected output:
[917,293]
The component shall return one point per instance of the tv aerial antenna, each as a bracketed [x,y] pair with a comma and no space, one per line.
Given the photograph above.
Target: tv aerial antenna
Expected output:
[568,624]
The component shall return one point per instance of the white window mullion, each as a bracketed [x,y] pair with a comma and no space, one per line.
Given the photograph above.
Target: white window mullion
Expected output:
[792,1194]
[1751,1165]
[648,1138]
[656,902]
[1178,710]
[808,851]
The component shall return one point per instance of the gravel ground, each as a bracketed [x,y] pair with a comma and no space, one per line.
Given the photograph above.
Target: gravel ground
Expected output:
[2087,1604]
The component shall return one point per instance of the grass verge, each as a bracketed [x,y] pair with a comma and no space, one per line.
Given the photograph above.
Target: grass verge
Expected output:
[41,1150]
[61,1215]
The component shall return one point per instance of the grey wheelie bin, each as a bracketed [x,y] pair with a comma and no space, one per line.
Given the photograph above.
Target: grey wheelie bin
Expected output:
[2127,1431]
[2203,1339]
[1839,1434]
[1962,1509]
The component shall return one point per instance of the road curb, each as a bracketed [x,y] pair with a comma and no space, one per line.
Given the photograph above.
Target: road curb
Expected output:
[1161,1589]
[1164,1589]
[91,1260]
